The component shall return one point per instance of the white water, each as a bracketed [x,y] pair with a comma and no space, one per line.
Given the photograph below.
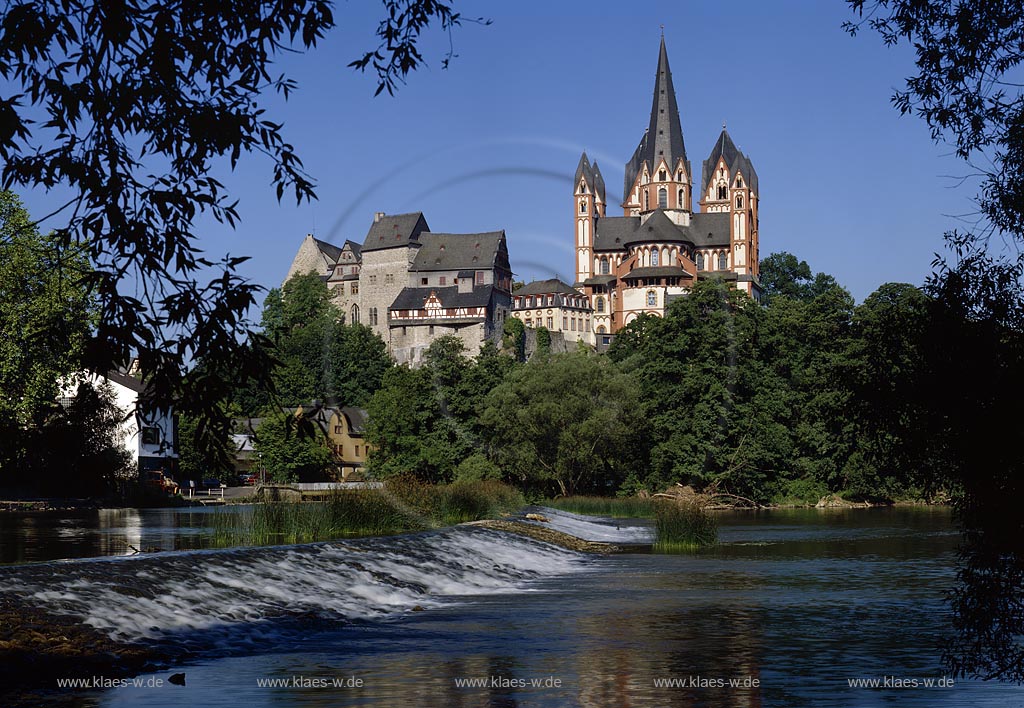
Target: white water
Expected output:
[198,593]
[594,528]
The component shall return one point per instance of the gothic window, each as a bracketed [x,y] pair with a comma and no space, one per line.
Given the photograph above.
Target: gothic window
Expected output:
[662,198]
[700,261]
[739,181]
[601,330]
[600,304]
[583,187]
[722,193]
[723,261]
[739,201]
[654,257]
[661,176]
[604,266]
[355,288]
[355,314]
[652,298]
[680,202]
[647,200]
[583,207]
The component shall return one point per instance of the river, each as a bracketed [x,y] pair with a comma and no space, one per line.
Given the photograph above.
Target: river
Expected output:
[790,609]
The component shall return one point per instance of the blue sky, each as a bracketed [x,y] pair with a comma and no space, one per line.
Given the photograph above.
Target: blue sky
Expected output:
[493,141]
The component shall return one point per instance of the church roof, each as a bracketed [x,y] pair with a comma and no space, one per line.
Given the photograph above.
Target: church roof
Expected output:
[616,233]
[657,272]
[459,251]
[726,149]
[592,173]
[545,287]
[664,136]
[329,250]
[393,230]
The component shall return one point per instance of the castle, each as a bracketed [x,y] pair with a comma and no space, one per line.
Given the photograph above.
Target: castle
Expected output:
[412,285]
[637,263]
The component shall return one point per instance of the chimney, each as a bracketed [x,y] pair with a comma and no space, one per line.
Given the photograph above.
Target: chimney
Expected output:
[377,216]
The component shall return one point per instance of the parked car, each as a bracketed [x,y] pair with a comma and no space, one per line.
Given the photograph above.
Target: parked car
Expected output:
[248,479]
[211,483]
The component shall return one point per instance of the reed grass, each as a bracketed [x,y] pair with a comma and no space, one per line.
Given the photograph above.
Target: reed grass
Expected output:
[683,525]
[619,507]
[402,505]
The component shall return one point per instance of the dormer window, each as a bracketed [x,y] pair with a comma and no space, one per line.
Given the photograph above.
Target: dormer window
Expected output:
[583,187]
[661,176]
[739,181]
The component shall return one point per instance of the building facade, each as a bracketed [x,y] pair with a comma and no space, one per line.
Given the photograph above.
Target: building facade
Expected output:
[411,285]
[557,306]
[636,263]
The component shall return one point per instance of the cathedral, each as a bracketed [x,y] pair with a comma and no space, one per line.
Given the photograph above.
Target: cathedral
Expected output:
[660,246]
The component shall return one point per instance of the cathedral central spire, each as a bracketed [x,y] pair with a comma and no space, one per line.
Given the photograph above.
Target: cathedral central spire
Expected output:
[665,132]
[661,150]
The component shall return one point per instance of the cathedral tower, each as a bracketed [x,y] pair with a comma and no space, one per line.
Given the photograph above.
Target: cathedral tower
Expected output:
[729,185]
[658,176]
[588,207]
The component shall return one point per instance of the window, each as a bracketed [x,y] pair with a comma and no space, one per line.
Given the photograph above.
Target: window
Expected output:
[652,298]
[572,324]
[679,177]
[601,329]
[355,288]
[357,451]
[583,187]
[647,200]
[739,201]
[150,435]
[588,325]
[661,176]
[680,202]
[424,281]
[739,181]
[355,314]
[480,277]
[529,322]
[338,429]
[443,280]
[604,266]
[654,257]
[699,260]
[600,304]
[583,207]
[373,279]
[662,198]
[431,330]
[565,322]
[723,261]
[551,322]
[722,192]
[551,300]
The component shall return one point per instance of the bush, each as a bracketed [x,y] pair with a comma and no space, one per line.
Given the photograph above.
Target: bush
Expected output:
[476,468]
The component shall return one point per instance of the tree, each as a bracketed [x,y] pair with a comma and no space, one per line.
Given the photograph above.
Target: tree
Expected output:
[571,420]
[291,452]
[45,319]
[138,114]
[782,274]
[966,89]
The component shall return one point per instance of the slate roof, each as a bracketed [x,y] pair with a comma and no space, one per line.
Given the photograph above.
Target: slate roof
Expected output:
[129,382]
[599,280]
[592,173]
[356,418]
[616,233]
[356,248]
[393,230]
[545,287]
[657,272]
[726,149]
[329,250]
[664,136]
[454,251]
[414,298]
[711,229]
[612,232]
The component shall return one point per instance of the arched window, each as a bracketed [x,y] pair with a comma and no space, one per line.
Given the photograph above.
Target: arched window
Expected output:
[739,201]
[662,198]
[604,266]
[647,200]
[355,314]
[652,298]
[700,261]
[661,175]
[600,304]
[680,203]
[722,192]
[723,261]
[679,177]
[583,207]
[601,330]
[654,257]
[583,187]
[739,181]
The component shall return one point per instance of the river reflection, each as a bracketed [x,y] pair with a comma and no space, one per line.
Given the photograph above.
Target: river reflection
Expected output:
[788,610]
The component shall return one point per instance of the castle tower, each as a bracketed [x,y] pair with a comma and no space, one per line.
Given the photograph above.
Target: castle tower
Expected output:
[589,204]
[658,176]
[729,185]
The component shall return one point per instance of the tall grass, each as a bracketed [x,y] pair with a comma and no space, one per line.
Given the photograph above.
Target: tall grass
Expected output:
[683,525]
[622,507]
[402,505]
